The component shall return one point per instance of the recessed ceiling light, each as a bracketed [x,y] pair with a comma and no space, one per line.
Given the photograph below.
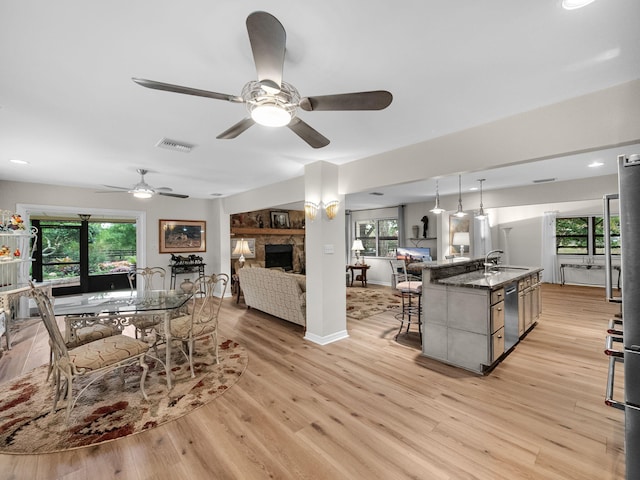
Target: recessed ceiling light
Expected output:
[19,162]
[473,189]
[573,4]
[215,194]
[595,164]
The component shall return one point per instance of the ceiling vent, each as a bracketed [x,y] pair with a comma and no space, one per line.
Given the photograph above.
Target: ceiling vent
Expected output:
[174,145]
[379,194]
[544,180]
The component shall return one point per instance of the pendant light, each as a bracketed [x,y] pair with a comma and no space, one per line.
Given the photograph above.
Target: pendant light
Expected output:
[437,210]
[481,215]
[460,212]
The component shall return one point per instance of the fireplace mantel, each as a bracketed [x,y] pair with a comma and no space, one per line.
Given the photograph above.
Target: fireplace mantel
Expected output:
[266,231]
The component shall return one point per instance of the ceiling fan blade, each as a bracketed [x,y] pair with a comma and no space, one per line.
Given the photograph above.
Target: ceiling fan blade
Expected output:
[177,195]
[307,133]
[163,189]
[236,129]
[268,41]
[376,100]
[117,188]
[110,191]
[186,90]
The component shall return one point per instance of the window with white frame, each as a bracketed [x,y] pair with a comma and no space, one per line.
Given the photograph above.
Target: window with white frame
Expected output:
[585,235]
[379,236]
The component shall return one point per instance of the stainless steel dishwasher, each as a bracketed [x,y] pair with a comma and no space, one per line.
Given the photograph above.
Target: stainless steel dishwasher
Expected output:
[511,335]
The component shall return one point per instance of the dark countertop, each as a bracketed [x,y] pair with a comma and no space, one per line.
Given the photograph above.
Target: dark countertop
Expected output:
[478,279]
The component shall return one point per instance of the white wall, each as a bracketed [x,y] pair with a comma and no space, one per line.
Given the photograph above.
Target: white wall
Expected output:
[413,213]
[156,208]
[525,237]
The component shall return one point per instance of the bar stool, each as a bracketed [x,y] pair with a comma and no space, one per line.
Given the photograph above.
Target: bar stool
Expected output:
[410,288]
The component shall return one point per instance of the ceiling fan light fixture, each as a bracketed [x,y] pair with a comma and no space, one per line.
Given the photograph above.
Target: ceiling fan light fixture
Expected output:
[573,4]
[270,115]
[269,106]
[143,193]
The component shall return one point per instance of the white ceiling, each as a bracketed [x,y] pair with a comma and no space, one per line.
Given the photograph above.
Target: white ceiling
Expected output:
[68,105]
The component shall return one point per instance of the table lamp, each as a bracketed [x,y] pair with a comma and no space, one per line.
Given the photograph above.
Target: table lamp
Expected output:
[242,249]
[357,247]
[462,239]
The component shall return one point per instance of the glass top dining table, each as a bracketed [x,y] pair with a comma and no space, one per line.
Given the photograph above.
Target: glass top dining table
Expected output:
[118,306]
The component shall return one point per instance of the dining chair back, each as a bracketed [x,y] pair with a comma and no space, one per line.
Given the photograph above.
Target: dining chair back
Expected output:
[97,357]
[202,320]
[146,279]
[151,278]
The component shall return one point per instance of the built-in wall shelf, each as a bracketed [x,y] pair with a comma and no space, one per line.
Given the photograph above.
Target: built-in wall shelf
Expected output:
[238,231]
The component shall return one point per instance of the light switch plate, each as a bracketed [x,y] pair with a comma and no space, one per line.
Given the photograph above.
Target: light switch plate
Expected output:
[328,250]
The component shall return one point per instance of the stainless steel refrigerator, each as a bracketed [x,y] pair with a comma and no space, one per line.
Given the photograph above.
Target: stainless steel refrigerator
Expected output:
[629,204]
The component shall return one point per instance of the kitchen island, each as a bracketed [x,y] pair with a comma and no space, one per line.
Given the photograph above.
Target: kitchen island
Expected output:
[473,318]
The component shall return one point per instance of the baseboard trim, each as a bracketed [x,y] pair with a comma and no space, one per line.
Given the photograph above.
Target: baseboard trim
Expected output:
[334,337]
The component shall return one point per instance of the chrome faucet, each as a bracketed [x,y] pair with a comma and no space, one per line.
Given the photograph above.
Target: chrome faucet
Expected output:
[488,265]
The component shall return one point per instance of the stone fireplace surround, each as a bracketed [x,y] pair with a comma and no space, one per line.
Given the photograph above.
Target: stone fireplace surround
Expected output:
[247,225]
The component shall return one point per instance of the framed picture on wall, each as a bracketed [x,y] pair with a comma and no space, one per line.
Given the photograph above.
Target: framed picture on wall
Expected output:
[280,219]
[178,236]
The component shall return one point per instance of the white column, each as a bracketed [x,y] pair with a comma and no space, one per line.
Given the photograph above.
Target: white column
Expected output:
[219,246]
[324,251]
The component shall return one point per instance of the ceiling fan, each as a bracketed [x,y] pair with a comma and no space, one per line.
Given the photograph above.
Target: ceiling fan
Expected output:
[270,100]
[143,190]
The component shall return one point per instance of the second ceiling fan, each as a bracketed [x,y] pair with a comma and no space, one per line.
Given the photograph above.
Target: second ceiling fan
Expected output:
[271,101]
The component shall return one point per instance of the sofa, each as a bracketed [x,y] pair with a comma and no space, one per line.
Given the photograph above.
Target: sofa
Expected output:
[275,292]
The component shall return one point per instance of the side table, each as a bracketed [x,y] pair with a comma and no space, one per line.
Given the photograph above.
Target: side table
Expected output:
[362,276]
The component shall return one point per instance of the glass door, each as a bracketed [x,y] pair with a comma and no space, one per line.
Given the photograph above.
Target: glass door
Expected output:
[57,258]
[84,256]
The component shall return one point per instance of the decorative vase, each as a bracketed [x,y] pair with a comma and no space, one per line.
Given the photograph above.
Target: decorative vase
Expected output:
[416,231]
[186,286]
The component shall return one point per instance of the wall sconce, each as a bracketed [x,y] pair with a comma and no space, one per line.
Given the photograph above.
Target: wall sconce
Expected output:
[311,210]
[242,249]
[331,209]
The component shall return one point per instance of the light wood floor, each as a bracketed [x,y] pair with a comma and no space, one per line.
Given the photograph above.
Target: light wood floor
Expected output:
[370,408]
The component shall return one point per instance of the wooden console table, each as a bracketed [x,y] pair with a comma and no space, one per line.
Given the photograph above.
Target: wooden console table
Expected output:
[363,273]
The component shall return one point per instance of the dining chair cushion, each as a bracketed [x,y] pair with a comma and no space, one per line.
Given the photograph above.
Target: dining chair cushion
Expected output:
[410,287]
[146,321]
[180,327]
[90,333]
[106,351]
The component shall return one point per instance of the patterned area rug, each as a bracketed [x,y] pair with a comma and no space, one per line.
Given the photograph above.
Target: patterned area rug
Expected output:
[364,302]
[107,410]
